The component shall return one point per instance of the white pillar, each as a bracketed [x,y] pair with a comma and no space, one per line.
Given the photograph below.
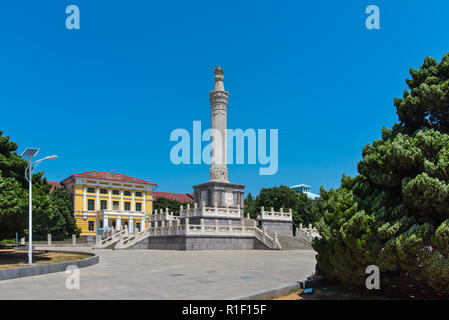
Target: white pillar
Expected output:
[84,199]
[144,205]
[132,201]
[105,222]
[97,205]
[118,223]
[131,224]
[110,199]
[121,201]
[142,224]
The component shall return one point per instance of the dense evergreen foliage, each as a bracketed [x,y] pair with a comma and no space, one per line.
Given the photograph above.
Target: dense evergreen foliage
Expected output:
[172,204]
[395,213]
[283,197]
[52,213]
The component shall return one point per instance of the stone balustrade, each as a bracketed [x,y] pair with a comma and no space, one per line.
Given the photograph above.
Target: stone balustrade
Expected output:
[175,228]
[210,212]
[278,216]
[162,216]
[307,234]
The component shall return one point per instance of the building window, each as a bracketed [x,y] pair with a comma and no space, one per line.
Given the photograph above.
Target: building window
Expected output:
[115,205]
[127,206]
[103,191]
[127,193]
[90,190]
[138,194]
[138,206]
[103,204]
[115,192]
[91,225]
[90,204]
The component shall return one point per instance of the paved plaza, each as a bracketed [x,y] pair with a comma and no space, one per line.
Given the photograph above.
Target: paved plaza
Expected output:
[157,274]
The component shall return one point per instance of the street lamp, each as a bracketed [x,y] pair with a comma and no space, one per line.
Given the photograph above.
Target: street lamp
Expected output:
[31,152]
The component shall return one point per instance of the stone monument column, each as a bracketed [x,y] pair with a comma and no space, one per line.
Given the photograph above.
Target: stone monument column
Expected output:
[218,192]
[218,102]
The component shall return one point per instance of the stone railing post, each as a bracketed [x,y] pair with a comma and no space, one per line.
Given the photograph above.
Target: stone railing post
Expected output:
[22,241]
[48,239]
[170,223]
[73,240]
[272,212]
[290,213]
[216,225]
[264,229]
[202,225]
[203,208]
[262,212]
[275,239]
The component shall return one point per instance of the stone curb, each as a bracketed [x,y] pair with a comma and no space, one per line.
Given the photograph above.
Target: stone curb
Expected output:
[271,293]
[47,268]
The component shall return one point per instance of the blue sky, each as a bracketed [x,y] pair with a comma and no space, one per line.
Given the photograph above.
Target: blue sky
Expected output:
[107,96]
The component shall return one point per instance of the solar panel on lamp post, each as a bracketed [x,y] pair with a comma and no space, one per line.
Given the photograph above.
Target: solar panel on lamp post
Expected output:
[31,152]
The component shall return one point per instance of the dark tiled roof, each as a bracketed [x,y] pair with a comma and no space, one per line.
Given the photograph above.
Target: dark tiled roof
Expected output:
[107,176]
[181,197]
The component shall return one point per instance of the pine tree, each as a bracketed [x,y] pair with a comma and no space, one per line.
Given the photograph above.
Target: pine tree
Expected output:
[395,213]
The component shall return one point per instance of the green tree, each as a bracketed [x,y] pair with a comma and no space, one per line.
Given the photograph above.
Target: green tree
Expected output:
[49,213]
[394,214]
[249,206]
[284,197]
[172,204]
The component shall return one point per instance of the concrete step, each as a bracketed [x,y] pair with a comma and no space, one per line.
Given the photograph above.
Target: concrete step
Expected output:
[293,243]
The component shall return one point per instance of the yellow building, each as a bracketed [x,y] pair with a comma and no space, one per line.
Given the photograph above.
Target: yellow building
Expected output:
[109,199]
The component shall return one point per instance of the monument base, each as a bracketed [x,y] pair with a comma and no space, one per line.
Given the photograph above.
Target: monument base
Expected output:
[221,194]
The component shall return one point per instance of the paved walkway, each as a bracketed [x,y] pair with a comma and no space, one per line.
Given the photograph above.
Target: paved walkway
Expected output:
[154,274]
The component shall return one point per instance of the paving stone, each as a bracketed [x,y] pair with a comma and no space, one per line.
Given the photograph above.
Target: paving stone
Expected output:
[145,274]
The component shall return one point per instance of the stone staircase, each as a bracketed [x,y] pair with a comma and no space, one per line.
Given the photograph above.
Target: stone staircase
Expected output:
[270,242]
[293,243]
[131,239]
[111,237]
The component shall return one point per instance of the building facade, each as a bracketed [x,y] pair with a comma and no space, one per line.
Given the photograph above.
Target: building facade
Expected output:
[105,199]
[305,189]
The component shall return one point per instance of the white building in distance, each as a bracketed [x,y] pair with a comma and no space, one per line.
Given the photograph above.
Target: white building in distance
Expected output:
[305,189]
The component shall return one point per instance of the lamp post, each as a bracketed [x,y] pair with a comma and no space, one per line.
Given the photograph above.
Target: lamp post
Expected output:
[31,152]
